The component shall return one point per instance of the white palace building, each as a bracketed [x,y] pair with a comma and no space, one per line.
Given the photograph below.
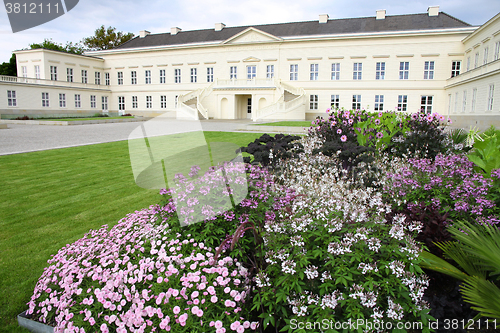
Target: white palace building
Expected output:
[430,61]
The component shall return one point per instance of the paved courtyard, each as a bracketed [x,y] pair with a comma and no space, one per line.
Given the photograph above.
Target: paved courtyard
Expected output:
[26,138]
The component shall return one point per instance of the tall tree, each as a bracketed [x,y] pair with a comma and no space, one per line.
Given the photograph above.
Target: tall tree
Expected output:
[50,45]
[9,68]
[106,38]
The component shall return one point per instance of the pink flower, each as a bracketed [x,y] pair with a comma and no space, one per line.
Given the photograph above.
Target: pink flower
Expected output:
[177,309]
[218,324]
[213,299]
[339,131]
[343,138]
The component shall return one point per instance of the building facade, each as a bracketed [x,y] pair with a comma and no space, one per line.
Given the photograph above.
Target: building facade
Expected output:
[277,71]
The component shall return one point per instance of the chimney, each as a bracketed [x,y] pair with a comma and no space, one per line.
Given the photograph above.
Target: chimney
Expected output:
[433,10]
[323,18]
[381,14]
[175,30]
[219,26]
[143,33]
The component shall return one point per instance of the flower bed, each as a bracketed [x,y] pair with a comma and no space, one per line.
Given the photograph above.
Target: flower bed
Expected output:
[330,226]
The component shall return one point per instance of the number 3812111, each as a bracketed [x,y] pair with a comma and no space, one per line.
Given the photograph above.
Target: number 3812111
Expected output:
[31,8]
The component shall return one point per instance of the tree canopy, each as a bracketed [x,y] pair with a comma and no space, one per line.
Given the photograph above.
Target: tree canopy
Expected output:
[9,68]
[50,45]
[106,38]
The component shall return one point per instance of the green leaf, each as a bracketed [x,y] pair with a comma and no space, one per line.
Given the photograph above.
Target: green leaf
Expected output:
[432,262]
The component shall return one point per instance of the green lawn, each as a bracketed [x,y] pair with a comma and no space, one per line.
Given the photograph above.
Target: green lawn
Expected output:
[52,198]
[288,123]
[79,119]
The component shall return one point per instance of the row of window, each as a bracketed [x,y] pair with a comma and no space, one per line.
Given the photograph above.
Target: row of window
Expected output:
[70,75]
[251,73]
[425,102]
[12,100]
[485,60]
[464,105]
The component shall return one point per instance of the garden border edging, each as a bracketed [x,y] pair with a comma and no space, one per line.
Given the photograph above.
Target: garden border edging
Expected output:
[33,326]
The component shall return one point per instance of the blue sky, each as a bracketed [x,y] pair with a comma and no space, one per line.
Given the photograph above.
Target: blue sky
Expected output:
[159,16]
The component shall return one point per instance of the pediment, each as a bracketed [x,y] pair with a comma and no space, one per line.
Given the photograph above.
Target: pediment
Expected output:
[251,59]
[251,35]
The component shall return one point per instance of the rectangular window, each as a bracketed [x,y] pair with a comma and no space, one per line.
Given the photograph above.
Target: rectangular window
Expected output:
[62,100]
[69,74]
[37,71]
[78,101]
[380,71]
[104,100]
[93,103]
[357,71]
[134,102]
[177,75]
[294,72]
[476,60]
[468,63]
[194,75]
[426,104]
[53,73]
[313,102]
[133,77]
[24,70]
[147,75]
[404,70]
[429,70]
[314,72]
[149,102]
[455,68]
[106,78]
[233,75]
[163,102]
[474,96]
[84,76]
[335,102]
[485,58]
[45,99]
[97,78]
[210,74]
[251,72]
[496,56]
[456,102]
[11,98]
[379,103]
[120,78]
[464,101]
[163,77]
[490,97]
[121,103]
[270,72]
[402,102]
[336,71]
[356,102]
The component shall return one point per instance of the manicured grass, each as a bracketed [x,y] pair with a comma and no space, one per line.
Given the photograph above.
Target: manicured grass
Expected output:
[288,123]
[79,119]
[52,198]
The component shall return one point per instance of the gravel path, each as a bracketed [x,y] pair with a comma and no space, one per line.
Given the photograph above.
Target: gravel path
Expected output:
[26,138]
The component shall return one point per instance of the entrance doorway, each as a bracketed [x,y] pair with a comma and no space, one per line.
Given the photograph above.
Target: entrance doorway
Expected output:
[243,106]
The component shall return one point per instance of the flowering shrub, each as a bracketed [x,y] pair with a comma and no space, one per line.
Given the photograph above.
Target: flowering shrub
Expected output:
[138,277]
[339,139]
[331,253]
[425,137]
[448,184]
